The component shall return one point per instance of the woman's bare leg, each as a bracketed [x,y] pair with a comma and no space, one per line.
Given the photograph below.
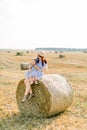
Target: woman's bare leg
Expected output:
[28,88]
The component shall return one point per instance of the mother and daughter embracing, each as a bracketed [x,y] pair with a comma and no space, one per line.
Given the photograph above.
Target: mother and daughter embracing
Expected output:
[35,72]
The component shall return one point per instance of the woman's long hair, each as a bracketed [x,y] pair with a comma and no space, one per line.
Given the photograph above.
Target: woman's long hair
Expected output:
[43,61]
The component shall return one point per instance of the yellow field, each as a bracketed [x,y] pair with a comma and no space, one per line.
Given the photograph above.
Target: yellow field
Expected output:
[73,67]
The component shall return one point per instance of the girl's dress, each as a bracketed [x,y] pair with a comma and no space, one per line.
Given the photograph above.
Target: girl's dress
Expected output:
[33,72]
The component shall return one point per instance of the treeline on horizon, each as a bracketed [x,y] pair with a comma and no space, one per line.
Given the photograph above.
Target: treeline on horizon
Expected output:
[63,49]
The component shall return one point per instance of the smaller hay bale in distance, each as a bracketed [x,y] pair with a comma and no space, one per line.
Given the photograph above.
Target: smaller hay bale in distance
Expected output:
[61,56]
[24,66]
[84,51]
[53,94]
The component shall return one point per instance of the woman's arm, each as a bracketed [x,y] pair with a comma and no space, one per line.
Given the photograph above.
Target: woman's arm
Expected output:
[45,68]
[36,67]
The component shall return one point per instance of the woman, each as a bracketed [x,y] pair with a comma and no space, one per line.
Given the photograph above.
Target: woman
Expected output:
[39,67]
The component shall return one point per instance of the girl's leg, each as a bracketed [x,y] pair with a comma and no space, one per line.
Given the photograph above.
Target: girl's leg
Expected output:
[35,80]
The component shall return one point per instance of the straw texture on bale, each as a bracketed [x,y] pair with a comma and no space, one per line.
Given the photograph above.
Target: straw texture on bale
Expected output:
[53,94]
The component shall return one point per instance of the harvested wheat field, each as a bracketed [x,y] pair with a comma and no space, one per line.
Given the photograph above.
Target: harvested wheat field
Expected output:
[73,67]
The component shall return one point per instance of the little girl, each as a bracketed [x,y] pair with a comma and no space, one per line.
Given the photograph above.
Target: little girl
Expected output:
[32,72]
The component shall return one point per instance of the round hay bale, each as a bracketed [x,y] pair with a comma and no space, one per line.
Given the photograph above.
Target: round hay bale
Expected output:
[61,56]
[53,94]
[24,66]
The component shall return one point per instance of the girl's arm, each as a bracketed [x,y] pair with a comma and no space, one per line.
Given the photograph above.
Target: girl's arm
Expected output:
[29,67]
[32,64]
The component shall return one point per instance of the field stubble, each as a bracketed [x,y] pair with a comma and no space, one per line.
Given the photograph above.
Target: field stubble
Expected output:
[73,67]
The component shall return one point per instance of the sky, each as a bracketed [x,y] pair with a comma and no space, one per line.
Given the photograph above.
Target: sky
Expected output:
[30,24]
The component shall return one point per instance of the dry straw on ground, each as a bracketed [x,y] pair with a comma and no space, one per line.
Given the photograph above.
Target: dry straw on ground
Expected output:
[53,95]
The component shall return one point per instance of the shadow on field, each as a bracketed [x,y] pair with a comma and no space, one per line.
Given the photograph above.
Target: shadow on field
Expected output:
[23,122]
